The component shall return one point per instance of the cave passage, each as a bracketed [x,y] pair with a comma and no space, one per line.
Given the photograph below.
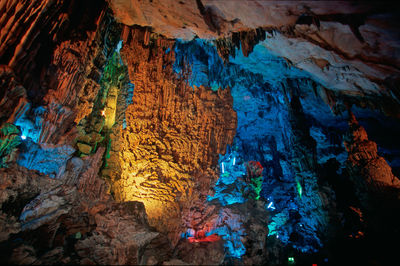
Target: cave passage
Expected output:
[124,140]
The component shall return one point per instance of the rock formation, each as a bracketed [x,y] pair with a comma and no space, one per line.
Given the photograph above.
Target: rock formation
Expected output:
[73,220]
[173,132]
[365,162]
[348,46]
[50,66]
[375,186]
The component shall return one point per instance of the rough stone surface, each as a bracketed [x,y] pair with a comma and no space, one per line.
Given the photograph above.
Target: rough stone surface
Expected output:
[49,66]
[173,132]
[13,99]
[73,221]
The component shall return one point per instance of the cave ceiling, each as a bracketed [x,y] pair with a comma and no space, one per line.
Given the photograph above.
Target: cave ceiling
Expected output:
[351,47]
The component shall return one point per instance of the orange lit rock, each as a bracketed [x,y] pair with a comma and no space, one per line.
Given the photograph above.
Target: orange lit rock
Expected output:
[173,136]
[363,155]
[59,73]
[14,101]
[375,184]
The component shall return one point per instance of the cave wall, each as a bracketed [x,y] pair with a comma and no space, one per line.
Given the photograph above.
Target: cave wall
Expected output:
[168,151]
[243,147]
[48,87]
[62,75]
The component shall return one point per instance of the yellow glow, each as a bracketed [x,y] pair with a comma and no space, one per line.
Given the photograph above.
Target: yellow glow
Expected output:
[111,107]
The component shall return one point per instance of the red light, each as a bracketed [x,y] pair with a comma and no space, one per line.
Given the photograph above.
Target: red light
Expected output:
[210,238]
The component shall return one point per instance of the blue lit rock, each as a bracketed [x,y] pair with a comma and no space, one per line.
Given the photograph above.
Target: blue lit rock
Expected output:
[262,86]
[31,125]
[230,185]
[46,158]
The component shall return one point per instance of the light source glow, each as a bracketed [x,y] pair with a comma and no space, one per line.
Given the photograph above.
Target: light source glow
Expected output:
[299,188]
[271,206]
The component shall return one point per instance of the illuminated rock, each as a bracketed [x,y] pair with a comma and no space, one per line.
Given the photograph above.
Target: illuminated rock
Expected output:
[76,212]
[111,106]
[46,158]
[50,66]
[84,148]
[349,47]
[9,140]
[369,171]
[14,100]
[173,132]
[255,178]
[272,79]
[270,132]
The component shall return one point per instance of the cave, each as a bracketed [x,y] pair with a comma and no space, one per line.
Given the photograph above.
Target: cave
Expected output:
[199,132]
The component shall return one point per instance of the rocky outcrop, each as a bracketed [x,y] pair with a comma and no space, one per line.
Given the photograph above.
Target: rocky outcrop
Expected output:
[18,187]
[73,220]
[219,235]
[121,134]
[111,243]
[369,171]
[377,189]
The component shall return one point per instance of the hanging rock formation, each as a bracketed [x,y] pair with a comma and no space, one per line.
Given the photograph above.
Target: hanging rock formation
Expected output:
[348,46]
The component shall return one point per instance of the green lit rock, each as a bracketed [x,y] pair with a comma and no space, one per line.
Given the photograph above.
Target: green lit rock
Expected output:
[9,140]
[84,148]
[256,185]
